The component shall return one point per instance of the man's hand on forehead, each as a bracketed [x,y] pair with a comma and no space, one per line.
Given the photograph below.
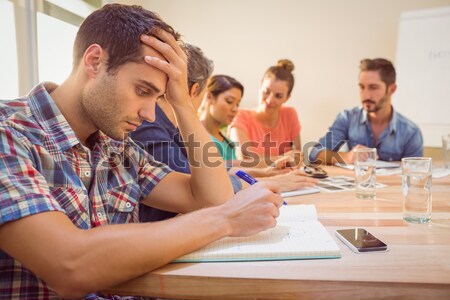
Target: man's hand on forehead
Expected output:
[173,63]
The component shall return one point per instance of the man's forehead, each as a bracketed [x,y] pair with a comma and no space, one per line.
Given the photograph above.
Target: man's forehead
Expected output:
[370,76]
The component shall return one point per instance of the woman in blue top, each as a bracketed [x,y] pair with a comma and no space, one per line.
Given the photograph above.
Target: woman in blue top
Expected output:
[224,93]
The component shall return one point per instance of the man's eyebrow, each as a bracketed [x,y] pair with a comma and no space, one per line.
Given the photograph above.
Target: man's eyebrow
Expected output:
[150,86]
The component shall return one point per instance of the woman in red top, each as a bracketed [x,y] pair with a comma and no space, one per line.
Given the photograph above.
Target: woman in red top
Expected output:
[272,129]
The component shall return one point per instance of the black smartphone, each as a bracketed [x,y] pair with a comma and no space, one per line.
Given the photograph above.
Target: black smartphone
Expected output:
[360,240]
[315,172]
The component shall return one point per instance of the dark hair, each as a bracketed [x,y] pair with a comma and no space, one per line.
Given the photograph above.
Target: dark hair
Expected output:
[283,71]
[117,29]
[200,67]
[218,84]
[383,66]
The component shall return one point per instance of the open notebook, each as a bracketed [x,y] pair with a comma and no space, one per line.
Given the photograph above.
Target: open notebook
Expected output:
[298,235]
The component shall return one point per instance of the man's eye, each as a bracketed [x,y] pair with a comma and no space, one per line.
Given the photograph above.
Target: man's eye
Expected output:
[141,92]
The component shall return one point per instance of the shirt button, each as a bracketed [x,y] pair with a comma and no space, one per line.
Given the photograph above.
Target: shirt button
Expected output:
[128,205]
[87,173]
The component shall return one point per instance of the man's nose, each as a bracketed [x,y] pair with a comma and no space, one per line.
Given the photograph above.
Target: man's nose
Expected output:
[365,94]
[147,112]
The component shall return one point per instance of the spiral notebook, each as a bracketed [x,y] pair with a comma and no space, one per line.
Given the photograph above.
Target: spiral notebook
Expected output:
[298,235]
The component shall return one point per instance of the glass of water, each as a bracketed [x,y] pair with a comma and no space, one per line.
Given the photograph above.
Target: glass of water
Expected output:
[365,175]
[416,187]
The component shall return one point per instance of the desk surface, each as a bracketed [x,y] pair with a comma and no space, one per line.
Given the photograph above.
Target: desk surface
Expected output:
[417,265]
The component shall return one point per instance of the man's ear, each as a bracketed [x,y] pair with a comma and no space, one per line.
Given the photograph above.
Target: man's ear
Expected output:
[392,88]
[195,90]
[93,59]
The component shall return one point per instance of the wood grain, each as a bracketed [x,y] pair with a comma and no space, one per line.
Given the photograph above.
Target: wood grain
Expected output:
[417,265]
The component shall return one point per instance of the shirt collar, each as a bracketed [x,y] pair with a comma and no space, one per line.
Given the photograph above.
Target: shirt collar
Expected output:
[49,117]
[363,116]
[392,124]
[55,125]
[394,121]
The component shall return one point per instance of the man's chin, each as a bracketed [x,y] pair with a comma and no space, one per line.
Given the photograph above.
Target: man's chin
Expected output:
[120,137]
[371,109]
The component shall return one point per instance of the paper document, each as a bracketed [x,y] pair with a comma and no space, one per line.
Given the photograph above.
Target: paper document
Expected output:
[299,192]
[298,235]
[340,184]
[381,164]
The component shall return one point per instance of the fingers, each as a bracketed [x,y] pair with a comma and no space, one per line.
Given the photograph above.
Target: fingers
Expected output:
[299,173]
[173,64]
[170,40]
[176,59]
[166,44]
[270,185]
[282,162]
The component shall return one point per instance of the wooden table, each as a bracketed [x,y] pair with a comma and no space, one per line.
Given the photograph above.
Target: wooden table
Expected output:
[417,265]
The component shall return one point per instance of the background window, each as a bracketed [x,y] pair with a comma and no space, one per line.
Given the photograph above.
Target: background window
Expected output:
[9,77]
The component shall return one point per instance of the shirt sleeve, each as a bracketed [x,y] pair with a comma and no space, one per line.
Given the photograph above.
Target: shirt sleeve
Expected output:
[240,121]
[414,146]
[336,135]
[23,189]
[158,142]
[150,171]
[236,183]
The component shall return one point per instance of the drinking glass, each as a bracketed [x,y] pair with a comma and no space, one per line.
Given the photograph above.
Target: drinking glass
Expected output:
[365,175]
[416,187]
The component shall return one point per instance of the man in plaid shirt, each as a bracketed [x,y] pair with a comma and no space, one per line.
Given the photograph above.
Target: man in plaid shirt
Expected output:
[68,168]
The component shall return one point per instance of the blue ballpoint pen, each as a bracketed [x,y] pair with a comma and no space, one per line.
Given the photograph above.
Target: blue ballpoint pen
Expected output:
[249,179]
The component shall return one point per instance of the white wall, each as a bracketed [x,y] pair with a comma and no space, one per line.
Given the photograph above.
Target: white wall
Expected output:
[324,38]
[423,68]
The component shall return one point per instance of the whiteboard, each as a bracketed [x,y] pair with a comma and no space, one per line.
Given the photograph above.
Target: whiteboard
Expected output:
[423,71]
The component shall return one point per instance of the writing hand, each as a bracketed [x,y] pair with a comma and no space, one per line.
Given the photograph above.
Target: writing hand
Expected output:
[254,209]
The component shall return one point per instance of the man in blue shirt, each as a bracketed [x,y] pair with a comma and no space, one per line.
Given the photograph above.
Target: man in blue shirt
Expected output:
[376,124]
[162,138]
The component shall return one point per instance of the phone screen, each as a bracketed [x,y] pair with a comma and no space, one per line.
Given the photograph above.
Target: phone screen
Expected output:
[360,240]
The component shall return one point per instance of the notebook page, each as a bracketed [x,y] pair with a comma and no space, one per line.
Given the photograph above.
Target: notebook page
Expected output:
[296,213]
[288,240]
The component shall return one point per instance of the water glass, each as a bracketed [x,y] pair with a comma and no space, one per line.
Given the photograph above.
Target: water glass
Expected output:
[365,175]
[446,150]
[416,187]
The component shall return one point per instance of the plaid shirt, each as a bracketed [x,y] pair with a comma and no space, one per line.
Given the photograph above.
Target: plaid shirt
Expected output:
[44,167]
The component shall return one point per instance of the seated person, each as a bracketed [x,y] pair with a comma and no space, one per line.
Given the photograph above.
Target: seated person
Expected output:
[68,169]
[376,124]
[272,129]
[219,107]
[162,138]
